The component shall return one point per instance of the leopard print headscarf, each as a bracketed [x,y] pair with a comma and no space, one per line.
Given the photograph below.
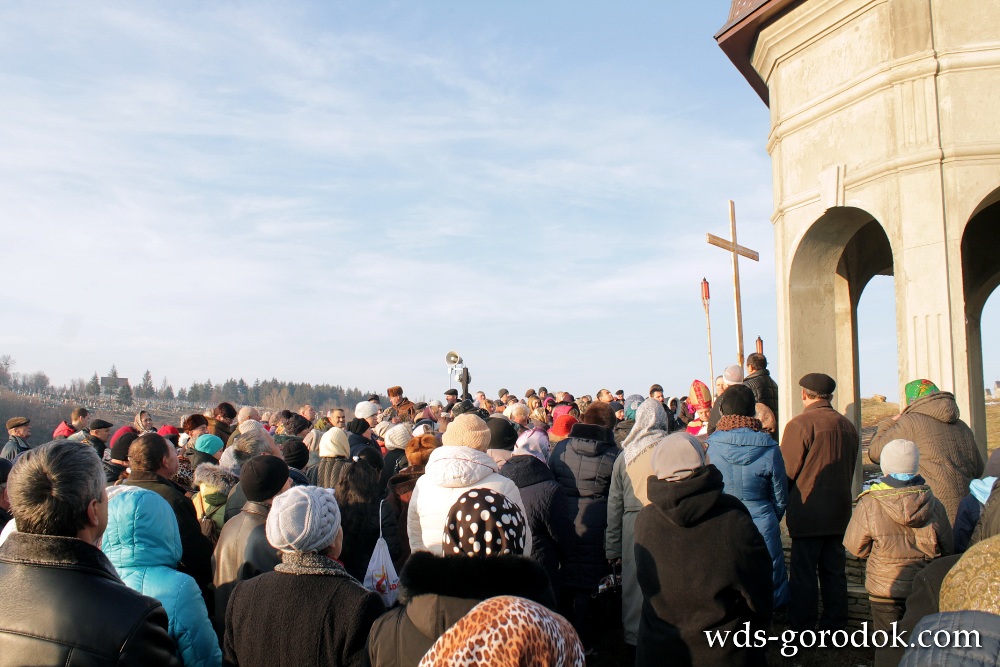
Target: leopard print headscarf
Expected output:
[507,631]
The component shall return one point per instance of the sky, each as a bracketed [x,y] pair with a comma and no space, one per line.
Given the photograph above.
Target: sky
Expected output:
[342,192]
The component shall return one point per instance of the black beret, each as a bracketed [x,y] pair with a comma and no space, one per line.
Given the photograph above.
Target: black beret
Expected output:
[451,392]
[98,424]
[502,433]
[462,407]
[738,399]
[821,383]
[263,476]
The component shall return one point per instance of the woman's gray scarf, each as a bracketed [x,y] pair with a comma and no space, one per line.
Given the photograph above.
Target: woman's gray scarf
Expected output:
[651,425]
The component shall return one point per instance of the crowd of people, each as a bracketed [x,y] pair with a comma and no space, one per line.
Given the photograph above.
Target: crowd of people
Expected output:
[484,531]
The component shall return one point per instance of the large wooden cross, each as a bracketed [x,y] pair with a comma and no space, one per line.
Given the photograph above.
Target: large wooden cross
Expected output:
[733,247]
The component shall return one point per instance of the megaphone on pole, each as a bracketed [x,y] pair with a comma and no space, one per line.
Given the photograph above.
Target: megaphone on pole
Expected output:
[452,358]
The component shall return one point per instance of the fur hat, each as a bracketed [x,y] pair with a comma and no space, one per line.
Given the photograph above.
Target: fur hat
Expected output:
[900,457]
[468,430]
[677,456]
[484,523]
[397,436]
[262,477]
[365,409]
[304,519]
[394,391]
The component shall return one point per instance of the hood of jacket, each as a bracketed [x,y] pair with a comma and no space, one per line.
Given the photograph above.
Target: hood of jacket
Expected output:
[741,446]
[454,467]
[590,439]
[982,488]
[525,470]
[940,405]
[142,530]
[910,506]
[213,480]
[686,502]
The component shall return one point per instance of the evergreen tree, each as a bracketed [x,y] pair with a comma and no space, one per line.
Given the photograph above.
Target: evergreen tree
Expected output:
[93,387]
[166,392]
[113,373]
[146,389]
[124,395]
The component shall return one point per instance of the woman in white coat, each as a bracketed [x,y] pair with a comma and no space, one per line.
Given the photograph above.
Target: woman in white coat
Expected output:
[461,464]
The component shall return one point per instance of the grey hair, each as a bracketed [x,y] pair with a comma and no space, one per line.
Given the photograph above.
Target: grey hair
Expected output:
[519,410]
[51,486]
[251,444]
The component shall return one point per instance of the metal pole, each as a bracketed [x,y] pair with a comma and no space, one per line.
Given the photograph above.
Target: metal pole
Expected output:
[736,284]
[705,297]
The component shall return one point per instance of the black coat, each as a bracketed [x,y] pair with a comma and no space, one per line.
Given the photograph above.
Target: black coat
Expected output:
[361,523]
[395,460]
[764,388]
[196,559]
[436,591]
[701,565]
[63,604]
[242,553]
[582,465]
[545,503]
[307,612]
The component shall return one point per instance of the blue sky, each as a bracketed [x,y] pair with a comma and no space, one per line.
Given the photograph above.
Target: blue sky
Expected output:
[343,191]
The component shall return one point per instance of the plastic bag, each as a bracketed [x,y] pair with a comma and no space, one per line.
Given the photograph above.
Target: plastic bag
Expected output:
[381,576]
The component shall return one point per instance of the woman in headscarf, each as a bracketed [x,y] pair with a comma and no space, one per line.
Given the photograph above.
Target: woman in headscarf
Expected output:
[508,631]
[627,497]
[949,456]
[754,471]
[143,423]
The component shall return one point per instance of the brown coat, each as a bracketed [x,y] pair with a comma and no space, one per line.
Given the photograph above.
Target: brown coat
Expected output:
[820,448]
[899,531]
[949,457]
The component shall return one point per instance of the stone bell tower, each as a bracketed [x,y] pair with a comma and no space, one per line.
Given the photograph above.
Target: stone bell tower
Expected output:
[885,145]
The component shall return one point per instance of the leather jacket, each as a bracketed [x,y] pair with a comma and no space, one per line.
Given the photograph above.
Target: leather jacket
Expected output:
[242,553]
[63,604]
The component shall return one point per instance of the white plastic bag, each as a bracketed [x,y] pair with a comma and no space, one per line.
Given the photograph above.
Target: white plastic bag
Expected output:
[381,576]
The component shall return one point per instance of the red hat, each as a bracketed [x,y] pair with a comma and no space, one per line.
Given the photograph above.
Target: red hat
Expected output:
[167,429]
[562,425]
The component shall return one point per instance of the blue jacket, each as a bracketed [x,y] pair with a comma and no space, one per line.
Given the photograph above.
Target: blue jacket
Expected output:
[754,471]
[969,511]
[985,655]
[143,542]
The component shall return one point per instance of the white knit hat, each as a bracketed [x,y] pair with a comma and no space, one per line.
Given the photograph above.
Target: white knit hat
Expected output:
[252,426]
[304,519]
[365,409]
[398,436]
[900,457]
[468,430]
[334,443]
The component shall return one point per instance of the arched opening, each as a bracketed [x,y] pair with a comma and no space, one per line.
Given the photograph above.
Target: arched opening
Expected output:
[834,262]
[980,277]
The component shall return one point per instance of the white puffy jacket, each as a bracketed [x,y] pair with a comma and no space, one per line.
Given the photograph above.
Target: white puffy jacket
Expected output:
[450,472]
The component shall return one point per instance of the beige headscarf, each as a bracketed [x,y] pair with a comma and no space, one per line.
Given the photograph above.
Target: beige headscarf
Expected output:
[334,443]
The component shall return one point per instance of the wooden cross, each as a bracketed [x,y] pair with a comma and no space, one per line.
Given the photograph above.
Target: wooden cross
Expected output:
[733,247]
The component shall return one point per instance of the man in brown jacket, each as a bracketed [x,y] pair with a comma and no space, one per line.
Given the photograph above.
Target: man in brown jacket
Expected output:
[820,448]
[949,457]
